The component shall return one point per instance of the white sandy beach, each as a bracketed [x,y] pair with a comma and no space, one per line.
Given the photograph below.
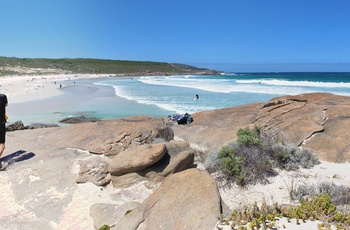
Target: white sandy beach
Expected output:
[30,98]
[26,88]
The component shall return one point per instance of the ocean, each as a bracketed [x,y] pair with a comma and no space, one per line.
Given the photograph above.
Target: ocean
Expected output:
[116,97]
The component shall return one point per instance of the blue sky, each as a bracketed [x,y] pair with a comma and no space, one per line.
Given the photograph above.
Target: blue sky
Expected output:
[229,35]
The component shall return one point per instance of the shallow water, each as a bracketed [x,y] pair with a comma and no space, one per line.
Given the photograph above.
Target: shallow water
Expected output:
[116,97]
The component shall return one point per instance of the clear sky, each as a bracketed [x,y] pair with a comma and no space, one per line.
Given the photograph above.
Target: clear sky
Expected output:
[229,35]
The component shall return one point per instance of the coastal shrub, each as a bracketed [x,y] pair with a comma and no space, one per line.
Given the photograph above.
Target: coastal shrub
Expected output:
[253,158]
[211,162]
[243,163]
[247,137]
[340,194]
[255,217]
[318,207]
[231,164]
[289,157]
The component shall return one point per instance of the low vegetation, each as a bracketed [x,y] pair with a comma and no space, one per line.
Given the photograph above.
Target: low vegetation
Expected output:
[254,158]
[37,66]
[340,194]
[105,227]
[319,207]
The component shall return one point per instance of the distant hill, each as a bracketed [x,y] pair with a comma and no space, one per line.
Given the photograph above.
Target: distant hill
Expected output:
[41,66]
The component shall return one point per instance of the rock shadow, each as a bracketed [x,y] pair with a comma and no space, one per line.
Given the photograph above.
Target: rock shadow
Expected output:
[17,156]
[159,166]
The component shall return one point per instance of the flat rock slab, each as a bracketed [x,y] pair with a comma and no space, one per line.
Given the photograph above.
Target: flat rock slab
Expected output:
[317,121]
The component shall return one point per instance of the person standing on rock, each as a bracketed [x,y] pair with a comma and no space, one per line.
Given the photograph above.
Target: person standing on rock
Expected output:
[3,104]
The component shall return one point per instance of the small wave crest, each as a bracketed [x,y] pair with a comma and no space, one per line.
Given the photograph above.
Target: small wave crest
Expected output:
[229,74]
[166,105]
[295,83]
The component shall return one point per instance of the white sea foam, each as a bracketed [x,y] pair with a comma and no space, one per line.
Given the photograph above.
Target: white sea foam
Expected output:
[207,84]
[296,83]
[229,74]
[174,107]
[175,93]
[221,85]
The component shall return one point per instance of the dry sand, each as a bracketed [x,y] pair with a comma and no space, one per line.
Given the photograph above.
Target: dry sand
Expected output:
[279,188]
[25,88]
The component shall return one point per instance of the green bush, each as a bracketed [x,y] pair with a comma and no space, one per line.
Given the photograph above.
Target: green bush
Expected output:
[249,137]
[253,158]
[231,164]
[243,163]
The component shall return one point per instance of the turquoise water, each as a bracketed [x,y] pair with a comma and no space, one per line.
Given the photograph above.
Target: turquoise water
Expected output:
[176,93]
[116,97]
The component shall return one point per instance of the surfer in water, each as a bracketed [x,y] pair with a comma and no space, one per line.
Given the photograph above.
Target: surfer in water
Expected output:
[196,97]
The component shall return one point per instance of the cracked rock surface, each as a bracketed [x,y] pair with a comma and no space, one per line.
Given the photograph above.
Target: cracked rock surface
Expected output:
[318,121]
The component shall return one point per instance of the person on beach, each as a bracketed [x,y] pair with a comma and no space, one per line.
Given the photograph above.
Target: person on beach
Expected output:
[3,104]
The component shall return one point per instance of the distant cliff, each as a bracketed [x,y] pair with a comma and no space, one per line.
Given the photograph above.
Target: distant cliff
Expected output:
[40,66]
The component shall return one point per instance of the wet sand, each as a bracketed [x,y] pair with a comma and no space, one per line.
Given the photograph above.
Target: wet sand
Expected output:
[44,99]
[53,98]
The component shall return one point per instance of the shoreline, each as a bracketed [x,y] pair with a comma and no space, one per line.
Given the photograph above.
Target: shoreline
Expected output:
[26,88]
[29,96]
[52,98]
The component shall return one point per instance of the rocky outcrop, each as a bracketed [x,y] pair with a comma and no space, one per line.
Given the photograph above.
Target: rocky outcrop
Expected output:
[291,120]
[152,162]
[135,159]
[215,128]
[18,125]
[79,119]
[94,170]
[113,136]
[317,121]
[186,200]
[41,125]
[108,214]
